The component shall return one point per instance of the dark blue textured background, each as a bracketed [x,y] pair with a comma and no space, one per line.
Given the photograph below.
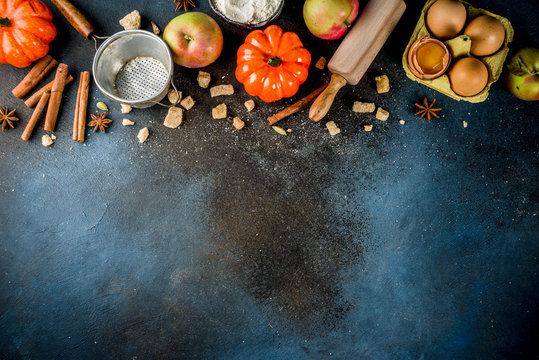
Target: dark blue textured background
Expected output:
[409,242]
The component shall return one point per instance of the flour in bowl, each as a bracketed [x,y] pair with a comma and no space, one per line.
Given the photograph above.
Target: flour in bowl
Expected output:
[248,11]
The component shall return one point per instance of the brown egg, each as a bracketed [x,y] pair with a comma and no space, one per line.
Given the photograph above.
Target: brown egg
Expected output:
[468,76]
[487,35]
[446,18]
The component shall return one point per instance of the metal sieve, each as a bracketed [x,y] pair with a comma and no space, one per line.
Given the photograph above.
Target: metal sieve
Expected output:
[133,67]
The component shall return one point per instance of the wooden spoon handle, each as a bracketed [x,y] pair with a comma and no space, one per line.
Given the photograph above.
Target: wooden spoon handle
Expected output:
[321,105]
[75,17]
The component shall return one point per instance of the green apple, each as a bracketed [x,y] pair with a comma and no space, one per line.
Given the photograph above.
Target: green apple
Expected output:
[522,76]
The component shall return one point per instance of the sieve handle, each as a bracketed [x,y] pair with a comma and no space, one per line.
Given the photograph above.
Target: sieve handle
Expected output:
[75,17]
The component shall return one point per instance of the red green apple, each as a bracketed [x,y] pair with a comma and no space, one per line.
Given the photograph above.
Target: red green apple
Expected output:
[194,38]
[330,19]
[522,76]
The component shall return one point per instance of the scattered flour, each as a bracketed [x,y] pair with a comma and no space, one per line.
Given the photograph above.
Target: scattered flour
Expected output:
[248,11]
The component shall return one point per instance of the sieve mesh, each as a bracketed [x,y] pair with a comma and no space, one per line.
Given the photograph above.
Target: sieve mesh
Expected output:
[141,78]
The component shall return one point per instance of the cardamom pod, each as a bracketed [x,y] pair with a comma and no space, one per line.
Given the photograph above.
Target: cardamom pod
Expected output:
[279,130]
[102,106]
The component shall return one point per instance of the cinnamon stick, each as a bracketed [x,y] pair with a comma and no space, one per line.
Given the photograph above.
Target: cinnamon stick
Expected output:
[298,106]
[76,117]
[38,72]
[56,97]
[33,100]
[75,17]
[35,116]
[79,122]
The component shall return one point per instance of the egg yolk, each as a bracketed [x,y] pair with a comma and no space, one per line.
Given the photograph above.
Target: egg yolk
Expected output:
[430,58]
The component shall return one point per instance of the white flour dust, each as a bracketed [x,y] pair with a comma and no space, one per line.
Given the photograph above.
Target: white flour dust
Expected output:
[248,11]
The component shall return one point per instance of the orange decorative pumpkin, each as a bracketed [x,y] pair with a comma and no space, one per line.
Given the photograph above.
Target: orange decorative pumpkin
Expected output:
[26,29]
[272,64]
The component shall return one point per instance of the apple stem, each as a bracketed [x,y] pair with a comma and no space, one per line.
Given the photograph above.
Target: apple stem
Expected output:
[5,22]
[189,38]
[274,61]
[347,23]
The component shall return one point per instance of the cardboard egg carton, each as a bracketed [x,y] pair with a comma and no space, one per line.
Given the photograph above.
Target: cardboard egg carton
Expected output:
[460,47]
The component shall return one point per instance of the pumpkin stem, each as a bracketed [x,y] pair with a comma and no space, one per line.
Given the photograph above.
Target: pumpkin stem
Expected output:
[274,61]
[5,22]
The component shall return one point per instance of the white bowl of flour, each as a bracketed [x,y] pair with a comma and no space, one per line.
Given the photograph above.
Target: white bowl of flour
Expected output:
[248,13]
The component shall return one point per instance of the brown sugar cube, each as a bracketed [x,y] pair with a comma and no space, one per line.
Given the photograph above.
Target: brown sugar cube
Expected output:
[332,128]
[361,107]
[155,28]
[173,96]
[188,103]
[203,79]
[382,84]
[321,63]
[143,135]
[249,105]
[46,140]
[238,123]
[174,117]
[126,109]
[222,90]
[219,112]
[131,21]
[381,114]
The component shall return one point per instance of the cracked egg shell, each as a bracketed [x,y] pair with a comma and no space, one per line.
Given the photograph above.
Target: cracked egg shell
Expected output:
[428,58]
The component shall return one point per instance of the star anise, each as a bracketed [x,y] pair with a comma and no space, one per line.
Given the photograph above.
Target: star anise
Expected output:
[100,122]
[7,118]
[184,3]
[427,110]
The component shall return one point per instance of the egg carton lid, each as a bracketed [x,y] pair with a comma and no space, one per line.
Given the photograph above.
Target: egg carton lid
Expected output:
[459,47]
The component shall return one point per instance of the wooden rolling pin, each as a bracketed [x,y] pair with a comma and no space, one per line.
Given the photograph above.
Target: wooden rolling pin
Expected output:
[358,49]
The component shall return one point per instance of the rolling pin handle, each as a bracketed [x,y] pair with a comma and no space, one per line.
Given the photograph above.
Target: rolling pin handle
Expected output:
[323,103]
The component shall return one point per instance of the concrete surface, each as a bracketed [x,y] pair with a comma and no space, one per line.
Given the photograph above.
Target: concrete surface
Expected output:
[415,241]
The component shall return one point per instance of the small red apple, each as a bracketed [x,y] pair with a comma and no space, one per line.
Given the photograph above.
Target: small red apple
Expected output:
[194,38]
[522,76]
[330,19]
